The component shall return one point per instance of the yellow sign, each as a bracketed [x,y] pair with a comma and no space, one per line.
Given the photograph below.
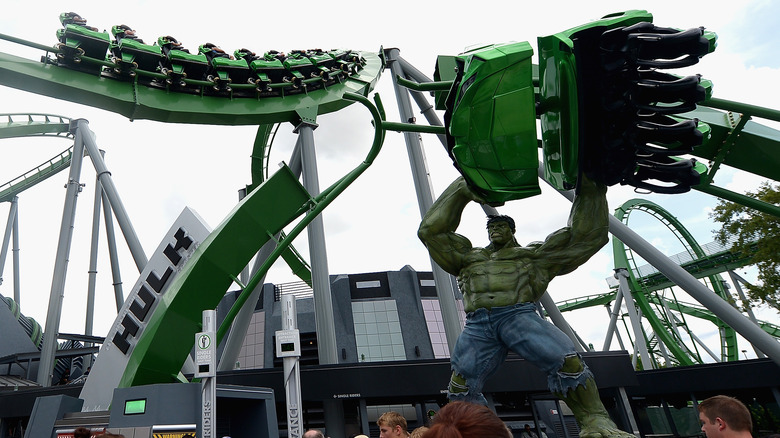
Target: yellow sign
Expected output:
[174,435]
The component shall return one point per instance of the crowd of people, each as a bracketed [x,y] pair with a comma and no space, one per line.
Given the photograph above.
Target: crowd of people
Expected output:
[720,417]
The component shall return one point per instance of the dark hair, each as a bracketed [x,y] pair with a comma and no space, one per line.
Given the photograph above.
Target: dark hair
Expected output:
[466,420]
[501,218]
[82,432]
[732,411]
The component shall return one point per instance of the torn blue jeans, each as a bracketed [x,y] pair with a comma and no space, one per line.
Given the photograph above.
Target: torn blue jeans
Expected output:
[489,335]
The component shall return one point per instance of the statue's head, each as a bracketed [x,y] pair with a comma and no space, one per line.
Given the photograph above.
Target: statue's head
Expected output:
[501,230]
[501,218]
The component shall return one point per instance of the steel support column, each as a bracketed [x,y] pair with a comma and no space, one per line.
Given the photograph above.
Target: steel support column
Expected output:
[320,278]
[613,316]
[93,259]
[639,336]
[11,232]
[113,196]
[113,256]
[444,282]
[73,187]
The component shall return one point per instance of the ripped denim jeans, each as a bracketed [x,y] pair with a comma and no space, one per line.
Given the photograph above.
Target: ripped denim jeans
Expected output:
[489,335]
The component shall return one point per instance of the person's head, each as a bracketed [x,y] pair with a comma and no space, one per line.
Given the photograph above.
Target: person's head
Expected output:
[418,432]
[391,425]
[722,415]
[527,427]
[82,432]
[467,420]
[313,433]
[501,230]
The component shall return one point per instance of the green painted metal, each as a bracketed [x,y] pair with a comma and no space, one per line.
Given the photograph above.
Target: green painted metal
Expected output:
[694,310]
[320,202]
[700,267]
[729,349]
[498,150]
[136,100]
[299,266]
[25,125]
[739,142]
[34,176]
[492,122]
[587,301]
[169,336]
[559,112]
[261,152]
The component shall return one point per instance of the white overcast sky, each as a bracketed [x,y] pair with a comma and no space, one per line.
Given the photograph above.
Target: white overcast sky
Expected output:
[161,168]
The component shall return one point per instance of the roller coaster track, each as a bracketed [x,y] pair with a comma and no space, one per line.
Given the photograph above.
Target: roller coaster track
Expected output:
[646,284]
[740,142]
[147,95]
[25,125]
[691,309]
[664,328]
[90,69]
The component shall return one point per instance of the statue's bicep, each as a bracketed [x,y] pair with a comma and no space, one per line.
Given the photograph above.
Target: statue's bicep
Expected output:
[448,251]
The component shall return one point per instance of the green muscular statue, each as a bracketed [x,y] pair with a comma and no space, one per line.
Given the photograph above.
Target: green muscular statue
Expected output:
[500,284]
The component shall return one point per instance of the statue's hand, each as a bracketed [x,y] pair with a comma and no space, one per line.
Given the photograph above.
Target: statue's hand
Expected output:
[469,192]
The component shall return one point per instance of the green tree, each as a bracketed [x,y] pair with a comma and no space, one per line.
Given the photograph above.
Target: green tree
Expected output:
[755,234]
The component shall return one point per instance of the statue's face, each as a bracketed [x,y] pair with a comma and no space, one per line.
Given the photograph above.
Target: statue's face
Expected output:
[500,233]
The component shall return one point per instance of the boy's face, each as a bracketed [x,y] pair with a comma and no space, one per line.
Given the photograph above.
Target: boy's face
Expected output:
[385,431]
[709,428]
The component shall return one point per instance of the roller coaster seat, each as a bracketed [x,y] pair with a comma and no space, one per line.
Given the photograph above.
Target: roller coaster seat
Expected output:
[129,50]
[605,110]
[123,31]
[179,61]
[323,62]
[77,39]
[299,65]
[269,69]
[223,66]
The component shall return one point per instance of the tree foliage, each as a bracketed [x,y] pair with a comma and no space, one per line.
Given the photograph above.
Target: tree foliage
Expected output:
[756,234]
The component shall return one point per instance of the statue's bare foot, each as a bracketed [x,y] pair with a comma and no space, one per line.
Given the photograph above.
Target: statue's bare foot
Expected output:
[599,426]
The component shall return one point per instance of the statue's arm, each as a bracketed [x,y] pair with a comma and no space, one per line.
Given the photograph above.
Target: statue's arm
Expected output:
[587,231]
[437,229]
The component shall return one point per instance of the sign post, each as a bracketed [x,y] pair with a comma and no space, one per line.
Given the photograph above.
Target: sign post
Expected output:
[288,347]
[206,369]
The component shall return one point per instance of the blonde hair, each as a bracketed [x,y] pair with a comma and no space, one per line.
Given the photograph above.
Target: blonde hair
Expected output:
[419,432]
[392,419]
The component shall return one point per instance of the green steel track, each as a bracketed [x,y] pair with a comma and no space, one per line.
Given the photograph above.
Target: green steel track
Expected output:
[70,73]
[659,320]
[136,100]
[31,125]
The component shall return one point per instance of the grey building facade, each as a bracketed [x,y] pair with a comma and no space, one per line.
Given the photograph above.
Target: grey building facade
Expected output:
[378,317]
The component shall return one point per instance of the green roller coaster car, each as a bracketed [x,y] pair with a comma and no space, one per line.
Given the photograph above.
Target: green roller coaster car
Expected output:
[605,108]
[491,121]
[558,95]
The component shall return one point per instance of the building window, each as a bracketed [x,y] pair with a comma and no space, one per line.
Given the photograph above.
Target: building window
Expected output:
[435,323]
[378,331]
[252,354]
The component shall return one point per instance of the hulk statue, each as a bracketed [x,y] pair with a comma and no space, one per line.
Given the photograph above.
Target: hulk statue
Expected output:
[500,284]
